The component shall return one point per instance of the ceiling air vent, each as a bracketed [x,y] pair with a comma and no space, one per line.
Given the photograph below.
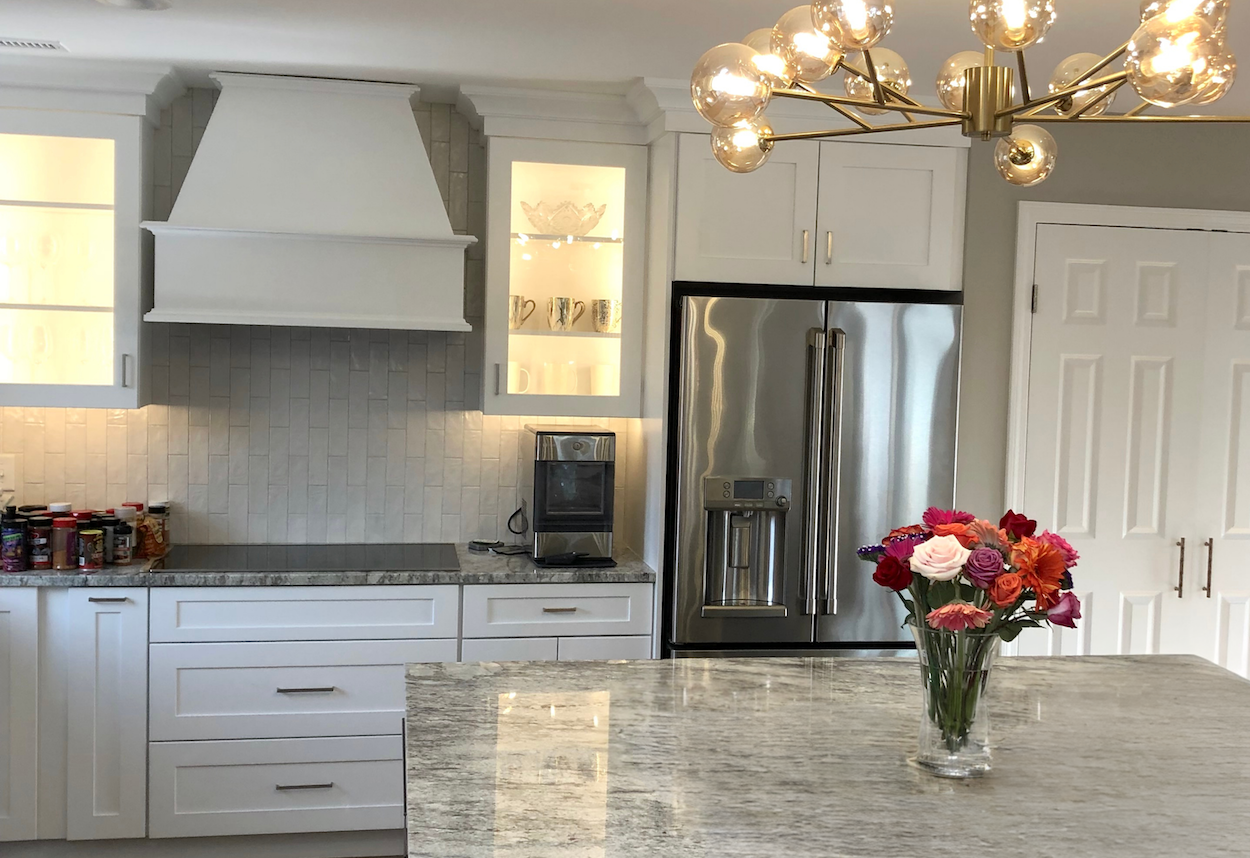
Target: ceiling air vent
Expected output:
[11,44]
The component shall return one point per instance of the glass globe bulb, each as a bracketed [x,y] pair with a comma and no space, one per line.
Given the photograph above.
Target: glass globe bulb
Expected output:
[1170,63]
[808,51]
[1224,72]
[742,147]
[780,74]
[1011,25]
[727,87]
[1027,156]
[950,79]
[853,25]
[1067,73]
[1214,12]
[891,71]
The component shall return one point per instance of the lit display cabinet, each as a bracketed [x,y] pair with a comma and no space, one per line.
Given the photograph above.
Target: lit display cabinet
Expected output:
[72,194]
[564,275]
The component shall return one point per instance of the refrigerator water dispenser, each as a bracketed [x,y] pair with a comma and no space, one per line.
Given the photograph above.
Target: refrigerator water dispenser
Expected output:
[746,538]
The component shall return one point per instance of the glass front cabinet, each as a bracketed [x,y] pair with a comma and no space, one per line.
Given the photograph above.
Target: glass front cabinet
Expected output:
[564,277]
[72,193]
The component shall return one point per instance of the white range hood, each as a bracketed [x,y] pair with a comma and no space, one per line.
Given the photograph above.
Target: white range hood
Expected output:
[310,202]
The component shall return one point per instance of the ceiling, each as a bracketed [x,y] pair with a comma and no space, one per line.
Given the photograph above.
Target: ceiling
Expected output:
[607,43]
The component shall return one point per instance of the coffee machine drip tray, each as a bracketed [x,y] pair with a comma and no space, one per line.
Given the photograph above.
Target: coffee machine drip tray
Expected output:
[574,559]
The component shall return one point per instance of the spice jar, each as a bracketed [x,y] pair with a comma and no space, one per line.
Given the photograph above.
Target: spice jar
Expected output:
[60,508]
[64,543]
[156,533]
[91,549]
[123,543]
[107,524]
[39,542]
[12,541]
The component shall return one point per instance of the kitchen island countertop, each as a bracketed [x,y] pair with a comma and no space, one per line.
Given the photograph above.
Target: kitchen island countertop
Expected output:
[1111,757]
[332,565]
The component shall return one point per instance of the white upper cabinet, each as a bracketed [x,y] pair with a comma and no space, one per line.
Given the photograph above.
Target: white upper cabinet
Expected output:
[746,228]
[823,213]
[565,243]
[891,216]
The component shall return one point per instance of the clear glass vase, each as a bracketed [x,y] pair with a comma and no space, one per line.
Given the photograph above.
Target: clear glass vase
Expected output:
[954,725]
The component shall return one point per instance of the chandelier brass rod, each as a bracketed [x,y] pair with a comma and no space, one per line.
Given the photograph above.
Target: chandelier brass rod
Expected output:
[877,91]
[1024,77]
[1101,64]
[848,132]
[854,102]
[1124,117]
[1111,91]
[1141,108]
[1061,94]
[890,92]
[849,114]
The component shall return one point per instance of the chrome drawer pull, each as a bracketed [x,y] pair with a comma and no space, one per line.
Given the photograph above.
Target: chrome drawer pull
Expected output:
[290,787]
[329,689]
[559,610]
[107,600]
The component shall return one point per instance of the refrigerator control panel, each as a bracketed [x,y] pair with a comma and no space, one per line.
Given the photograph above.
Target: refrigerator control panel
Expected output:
[745,493]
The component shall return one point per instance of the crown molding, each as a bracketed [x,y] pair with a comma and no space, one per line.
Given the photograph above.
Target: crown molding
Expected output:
[597,117]
[88,86]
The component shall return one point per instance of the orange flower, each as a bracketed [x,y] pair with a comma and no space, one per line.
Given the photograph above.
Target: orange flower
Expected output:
[987,534]
[959,531]
[1041,568]
[958,616]
[1005,589]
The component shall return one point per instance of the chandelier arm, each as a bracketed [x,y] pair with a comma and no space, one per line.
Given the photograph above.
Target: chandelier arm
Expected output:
[1024,78]
[854,102]
[849,114]
[1101,64]
[1111,91]
[877,90]
[890,92]
[850,132]
[1030,108]
[1124,117]
[1141,108]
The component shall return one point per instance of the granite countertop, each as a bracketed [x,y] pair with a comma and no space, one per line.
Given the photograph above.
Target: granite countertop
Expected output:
[1114,757]
[327,565]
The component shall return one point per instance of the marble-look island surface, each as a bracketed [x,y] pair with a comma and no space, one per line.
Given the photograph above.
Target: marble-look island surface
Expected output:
[333,565]
[1116,757]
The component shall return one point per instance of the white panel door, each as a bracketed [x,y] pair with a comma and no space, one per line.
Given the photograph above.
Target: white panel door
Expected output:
[509,649]
[746,228]
[108,689]
[19,711]
[1223,521]
[891,216]
[604,648]
[1114,394]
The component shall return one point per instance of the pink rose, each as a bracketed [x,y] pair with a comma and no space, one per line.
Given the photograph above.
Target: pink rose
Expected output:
[940,559]
[1070,555]
[1066,611]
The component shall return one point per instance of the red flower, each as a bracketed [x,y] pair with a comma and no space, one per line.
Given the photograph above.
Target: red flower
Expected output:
[893,573]
[934,516]
[1017,525]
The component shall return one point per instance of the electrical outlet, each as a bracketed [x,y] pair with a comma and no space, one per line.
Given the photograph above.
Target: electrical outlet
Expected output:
[10,475]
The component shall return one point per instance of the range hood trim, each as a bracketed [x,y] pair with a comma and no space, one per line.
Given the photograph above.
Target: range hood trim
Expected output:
[305,320]
[160,227]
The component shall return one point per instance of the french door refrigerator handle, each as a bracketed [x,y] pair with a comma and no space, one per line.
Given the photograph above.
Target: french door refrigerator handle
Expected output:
[814,467]
[832,434]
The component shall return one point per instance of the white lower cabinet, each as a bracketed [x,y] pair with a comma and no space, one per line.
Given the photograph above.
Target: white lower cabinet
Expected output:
[626,647]
[557,649]
[509,649]
[107,721]
[19,712]
[557,610]
[273,786]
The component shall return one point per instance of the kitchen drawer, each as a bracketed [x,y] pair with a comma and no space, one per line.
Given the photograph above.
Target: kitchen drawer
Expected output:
[556,610]
[275,786]
[190,614]
[282,690]
[509,649]
[604,648]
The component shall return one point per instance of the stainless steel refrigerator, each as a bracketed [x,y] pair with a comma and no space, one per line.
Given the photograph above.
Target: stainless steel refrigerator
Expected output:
[801,429]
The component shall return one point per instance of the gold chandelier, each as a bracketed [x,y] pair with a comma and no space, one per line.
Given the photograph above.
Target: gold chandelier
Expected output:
[1178,56]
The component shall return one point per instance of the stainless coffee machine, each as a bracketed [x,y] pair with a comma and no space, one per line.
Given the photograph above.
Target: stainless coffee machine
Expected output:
[569,473]
[746,539]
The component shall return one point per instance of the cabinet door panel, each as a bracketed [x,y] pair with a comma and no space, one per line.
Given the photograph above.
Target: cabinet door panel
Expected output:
[509,649]
[600,649]
[107,779]
[746,228]
[19,645]
[891,216]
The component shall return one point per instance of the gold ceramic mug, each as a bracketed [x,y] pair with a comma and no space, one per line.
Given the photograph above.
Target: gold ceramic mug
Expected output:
[517,314]
[605,314]
[563,312]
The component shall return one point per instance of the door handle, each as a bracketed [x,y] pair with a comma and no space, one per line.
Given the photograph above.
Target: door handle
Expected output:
[293,787]
[836,343]
[1210,544]
[1180,573]
[812,496]
[829,247]
[806,236]
[328,689]
[107,600]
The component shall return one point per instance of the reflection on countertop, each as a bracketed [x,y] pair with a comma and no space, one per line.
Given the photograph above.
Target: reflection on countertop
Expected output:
[1116,757]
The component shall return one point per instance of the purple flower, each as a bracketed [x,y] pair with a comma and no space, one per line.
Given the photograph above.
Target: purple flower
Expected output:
[870,553]
[983,566]
[1066,611]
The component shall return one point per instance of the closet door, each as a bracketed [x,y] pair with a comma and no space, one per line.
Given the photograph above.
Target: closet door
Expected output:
[1222,567]
[1113,428]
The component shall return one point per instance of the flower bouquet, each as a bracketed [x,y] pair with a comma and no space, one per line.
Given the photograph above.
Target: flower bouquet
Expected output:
[967,585]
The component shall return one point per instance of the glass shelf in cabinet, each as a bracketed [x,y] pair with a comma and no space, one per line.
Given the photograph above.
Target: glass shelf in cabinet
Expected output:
[526,237]
[601,334]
